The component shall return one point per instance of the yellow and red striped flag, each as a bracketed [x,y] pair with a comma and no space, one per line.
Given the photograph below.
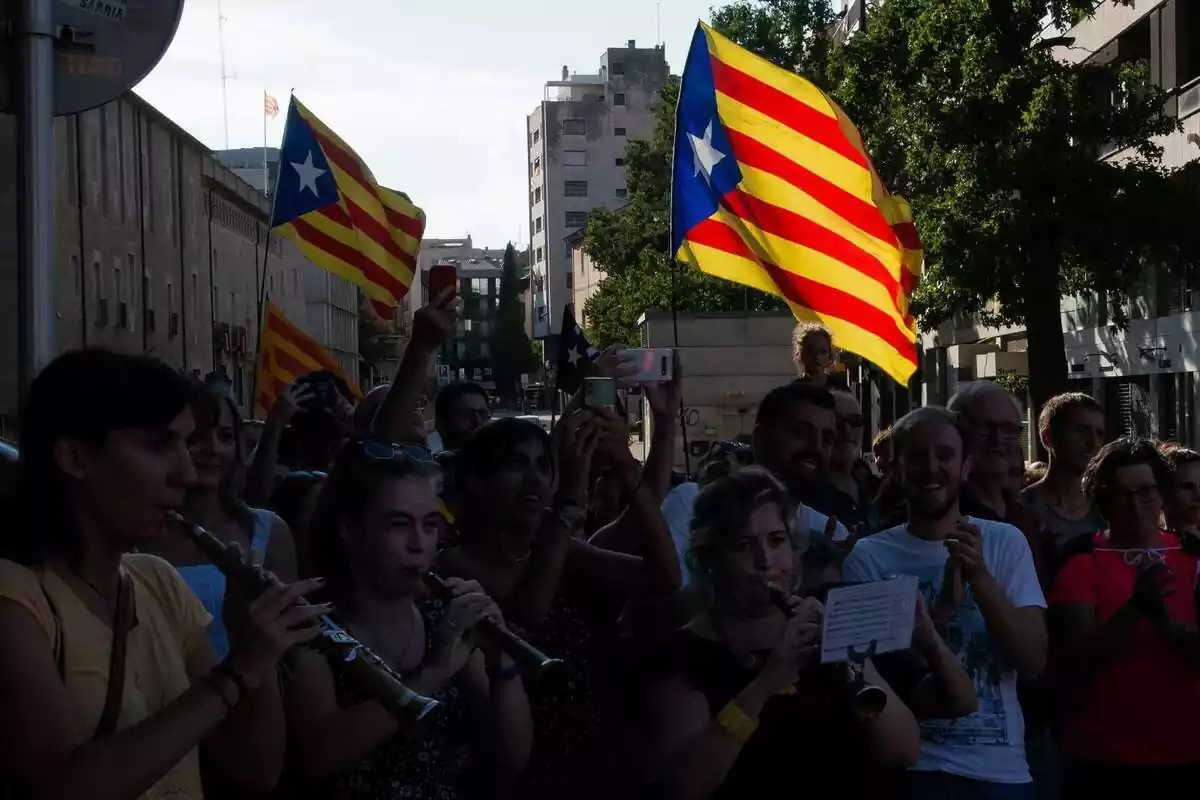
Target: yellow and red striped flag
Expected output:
[270,105]
[286,353]
[328,202]
[773,188]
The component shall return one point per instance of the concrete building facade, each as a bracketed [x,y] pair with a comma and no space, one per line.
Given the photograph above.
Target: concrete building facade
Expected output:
[585,276]
[467,354]
[577,138]
[1145,375]
[159,248]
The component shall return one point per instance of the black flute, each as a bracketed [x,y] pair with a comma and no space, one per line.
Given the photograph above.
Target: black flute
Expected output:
[363,670]
[532,662]
[867,701]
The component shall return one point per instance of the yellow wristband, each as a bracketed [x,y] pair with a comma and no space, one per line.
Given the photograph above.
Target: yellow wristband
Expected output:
[736,723]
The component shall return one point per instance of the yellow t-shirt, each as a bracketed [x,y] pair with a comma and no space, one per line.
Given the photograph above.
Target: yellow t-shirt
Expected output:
[171,623]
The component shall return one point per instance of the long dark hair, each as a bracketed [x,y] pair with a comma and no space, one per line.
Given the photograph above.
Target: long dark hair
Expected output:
[352,483]
[83,395]
[208,398]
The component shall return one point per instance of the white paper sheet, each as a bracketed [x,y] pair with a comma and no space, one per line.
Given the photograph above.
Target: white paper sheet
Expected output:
[882,612]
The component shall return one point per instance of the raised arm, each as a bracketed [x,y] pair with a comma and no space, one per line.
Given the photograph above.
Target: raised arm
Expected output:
[431,325]
[260,476]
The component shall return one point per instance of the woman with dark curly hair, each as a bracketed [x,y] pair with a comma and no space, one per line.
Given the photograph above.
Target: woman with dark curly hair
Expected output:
[1124,622]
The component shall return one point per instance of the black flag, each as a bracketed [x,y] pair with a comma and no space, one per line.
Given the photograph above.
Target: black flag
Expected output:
[575,354]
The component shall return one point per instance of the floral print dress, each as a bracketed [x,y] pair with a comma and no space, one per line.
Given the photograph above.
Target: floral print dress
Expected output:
[435,763]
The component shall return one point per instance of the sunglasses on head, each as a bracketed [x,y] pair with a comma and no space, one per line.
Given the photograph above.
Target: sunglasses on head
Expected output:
[380,450]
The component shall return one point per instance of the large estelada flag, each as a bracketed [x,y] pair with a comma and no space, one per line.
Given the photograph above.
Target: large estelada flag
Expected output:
[328,202]
[773,188]
[286,353]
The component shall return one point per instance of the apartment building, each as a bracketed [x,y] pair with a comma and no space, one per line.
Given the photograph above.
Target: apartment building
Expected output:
[467,353]
[1146,375]
[585,275]
[577,138]
[257,166]
[159,248]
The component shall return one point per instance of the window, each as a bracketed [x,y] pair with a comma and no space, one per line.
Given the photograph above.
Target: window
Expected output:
[619,131]
[195,306]
[537,225]
[576,219]
[537,166]
[575,189]
[539,255]
[620,162]
[119,290]
[76,278]
[148,303]
[537,135]
[570,280]
[619,99]
[105,161]
[485,350]
[622,192]
[148,172]
[480,285]
[100,291]
[537,194]
[575,158]
[73,160]
[617,68]
[574,127]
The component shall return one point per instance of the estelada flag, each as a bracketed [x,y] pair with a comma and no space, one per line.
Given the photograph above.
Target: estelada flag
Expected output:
[286,353]
[772,188]
[328,202]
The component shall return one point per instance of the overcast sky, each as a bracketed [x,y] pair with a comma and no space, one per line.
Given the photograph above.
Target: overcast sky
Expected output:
[433,94]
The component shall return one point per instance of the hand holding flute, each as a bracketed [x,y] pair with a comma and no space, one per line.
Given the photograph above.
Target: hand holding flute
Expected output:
[470,609]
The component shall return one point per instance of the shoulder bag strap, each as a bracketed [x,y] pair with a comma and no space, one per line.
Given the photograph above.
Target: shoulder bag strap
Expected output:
[122,622]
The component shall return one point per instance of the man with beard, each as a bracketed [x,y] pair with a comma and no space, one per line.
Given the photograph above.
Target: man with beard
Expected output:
[794,432]
[978,579]
[1071,428]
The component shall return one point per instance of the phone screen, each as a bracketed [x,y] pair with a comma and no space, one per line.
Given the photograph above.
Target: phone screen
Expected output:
[600,393]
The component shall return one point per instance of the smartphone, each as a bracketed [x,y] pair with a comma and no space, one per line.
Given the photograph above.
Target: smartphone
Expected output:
[654,365]
[600,393]
[440,277]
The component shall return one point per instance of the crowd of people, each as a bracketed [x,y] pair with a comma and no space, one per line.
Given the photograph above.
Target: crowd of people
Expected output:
[1054,651]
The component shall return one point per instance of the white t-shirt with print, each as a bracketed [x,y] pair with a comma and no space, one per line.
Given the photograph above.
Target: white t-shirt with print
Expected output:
[988,745]
[677,510]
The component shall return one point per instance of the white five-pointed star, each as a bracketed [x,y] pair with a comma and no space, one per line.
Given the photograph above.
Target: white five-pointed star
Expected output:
[575,356]
[308,174]
[706,156]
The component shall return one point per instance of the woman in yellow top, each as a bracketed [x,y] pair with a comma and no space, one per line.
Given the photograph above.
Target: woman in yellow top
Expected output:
[104,459]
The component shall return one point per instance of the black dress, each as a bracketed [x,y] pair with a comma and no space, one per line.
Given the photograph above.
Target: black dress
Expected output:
[808,744]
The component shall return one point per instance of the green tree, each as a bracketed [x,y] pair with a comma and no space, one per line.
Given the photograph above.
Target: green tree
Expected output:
[632,246]
[512,354]
[996,140]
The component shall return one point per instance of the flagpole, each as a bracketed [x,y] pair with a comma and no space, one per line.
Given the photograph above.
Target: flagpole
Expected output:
[262,280]
[266,167]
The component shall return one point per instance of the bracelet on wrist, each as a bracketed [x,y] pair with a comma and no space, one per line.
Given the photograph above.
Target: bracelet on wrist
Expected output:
[223,687]
[235,677]
[735,722]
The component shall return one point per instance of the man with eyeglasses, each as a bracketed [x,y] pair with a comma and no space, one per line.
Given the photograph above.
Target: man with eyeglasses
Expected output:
[849,477]
[992,418]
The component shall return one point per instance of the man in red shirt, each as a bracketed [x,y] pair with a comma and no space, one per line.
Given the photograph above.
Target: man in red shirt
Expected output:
[1123,622]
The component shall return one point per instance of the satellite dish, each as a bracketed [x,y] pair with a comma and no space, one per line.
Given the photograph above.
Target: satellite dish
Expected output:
[104,49]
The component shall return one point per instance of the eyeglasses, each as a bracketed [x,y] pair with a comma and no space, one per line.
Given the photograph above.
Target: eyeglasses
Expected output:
[1005,431]
[1137,497]
[380,450]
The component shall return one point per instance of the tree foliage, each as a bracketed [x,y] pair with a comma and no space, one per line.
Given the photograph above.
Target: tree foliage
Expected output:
[632,246]
[996,139]
[512,353]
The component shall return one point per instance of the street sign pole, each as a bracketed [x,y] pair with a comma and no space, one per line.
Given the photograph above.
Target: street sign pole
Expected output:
[34,79]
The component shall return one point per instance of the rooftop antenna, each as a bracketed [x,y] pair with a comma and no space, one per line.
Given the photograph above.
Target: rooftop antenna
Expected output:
[658,22]
[224,75]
